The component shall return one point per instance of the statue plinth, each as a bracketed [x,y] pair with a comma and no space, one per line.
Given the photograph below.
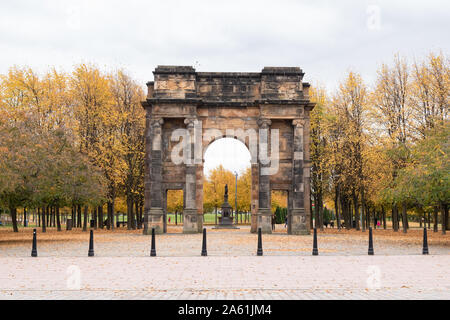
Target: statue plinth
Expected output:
[226,218]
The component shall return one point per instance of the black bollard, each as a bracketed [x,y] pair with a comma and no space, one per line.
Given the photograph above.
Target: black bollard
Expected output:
[425,241]
[260,250]
[315,251]
[34,249]
[91,244]
[153,250]
[204,252]
[370,252]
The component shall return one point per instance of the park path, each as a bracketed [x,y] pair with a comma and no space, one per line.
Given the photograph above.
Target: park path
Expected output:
[239,242]
[231,277]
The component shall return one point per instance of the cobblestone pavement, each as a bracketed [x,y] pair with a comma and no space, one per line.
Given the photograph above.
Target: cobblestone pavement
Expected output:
[231,277]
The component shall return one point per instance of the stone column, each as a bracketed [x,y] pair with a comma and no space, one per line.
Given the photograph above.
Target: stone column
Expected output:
[254,197]
[264,215]
[190,214]
[153,216]
[199,196]
[299,218]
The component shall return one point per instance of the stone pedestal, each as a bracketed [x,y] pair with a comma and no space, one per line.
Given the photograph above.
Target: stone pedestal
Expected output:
[154,218]
[226,219]
[190,221]
[299,221]
[264,220]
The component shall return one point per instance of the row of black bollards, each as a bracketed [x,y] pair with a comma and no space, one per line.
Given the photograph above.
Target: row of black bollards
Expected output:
[204,252]
[259,252]
[34,248]
[370,252]
[91,244]
[315,251]
[153,249]
[425,241]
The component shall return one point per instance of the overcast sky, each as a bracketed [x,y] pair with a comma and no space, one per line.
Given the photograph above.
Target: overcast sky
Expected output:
[325,38]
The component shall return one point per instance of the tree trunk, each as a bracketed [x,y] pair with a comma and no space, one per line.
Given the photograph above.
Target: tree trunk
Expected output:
[365,211]
[85,218]
[316,211]
[44,226]
[336,209]
[443,218]
[447,224]
[394,218]
[24,217]
[136,224]
[58,221]
[100,217]
[405,218]
[141,214]
[13,212]
[423,219]
[384,217]
[356,210]
[365,215]
[110,215]
[376,218]
[73,215]
[95,217]
[129,212]
[321,211]
[429,220]
[79,216]
[435,227]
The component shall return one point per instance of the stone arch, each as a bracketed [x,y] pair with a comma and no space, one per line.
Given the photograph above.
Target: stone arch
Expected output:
[272,107]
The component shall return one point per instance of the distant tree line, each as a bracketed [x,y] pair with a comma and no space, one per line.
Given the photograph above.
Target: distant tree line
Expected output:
[71,140]
[384,151]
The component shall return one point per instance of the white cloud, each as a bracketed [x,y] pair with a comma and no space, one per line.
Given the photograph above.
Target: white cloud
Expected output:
[324,38]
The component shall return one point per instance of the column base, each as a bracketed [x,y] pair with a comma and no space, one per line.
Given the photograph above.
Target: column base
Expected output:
[190,221]
[154,218]
[264,220]
[299,222]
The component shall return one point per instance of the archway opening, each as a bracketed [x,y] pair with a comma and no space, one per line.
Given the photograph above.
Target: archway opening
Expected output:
[174,207]
[279,206]
[227,162]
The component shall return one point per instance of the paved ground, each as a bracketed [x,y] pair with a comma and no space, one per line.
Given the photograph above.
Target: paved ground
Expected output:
[122,268]
[239,242]
[288,277]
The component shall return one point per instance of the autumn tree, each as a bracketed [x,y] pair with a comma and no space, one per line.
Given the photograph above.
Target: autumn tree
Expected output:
[127,96]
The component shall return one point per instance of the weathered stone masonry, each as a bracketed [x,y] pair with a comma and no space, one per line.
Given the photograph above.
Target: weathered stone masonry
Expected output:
[275,98]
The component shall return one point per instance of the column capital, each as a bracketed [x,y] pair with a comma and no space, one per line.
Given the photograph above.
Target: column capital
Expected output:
[190,121]
[156,122]
[264,123]
[299,123]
